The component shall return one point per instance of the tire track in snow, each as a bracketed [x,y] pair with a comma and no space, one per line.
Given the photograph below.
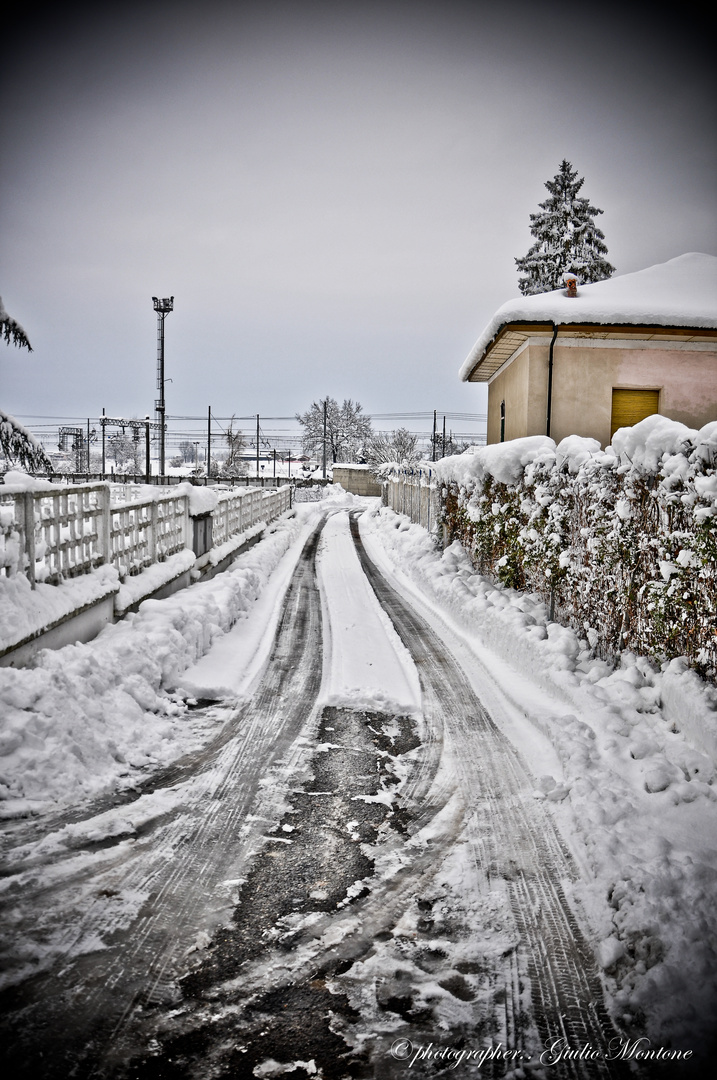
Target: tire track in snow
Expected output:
[516,846]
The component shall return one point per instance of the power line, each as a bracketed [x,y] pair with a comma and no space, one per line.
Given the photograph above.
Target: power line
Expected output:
[281,432]
[466,417]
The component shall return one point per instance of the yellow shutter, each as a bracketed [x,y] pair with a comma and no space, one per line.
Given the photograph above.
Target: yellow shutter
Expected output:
[631,406]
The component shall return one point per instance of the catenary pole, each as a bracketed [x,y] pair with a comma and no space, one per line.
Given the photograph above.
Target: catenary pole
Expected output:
[163,308]
[324,452]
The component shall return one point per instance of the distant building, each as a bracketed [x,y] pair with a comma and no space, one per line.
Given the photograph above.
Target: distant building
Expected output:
[591,359]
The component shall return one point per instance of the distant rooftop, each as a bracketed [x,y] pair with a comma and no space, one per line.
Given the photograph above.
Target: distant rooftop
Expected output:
[681,293]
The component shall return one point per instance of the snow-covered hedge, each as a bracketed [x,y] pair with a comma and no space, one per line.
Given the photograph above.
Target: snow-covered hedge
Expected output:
[621,543]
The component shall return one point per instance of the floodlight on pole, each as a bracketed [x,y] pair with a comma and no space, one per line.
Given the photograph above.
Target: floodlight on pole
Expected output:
[163,308]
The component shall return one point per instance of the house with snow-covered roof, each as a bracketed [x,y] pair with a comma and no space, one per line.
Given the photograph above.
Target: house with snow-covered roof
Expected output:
[588,359]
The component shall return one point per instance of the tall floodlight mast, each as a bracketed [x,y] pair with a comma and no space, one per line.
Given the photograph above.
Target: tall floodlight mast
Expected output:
[163,308]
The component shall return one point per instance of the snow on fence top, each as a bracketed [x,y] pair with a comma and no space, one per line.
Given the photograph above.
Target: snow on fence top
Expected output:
[681,293]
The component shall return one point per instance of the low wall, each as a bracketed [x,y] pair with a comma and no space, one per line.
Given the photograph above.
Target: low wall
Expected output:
[83,625]
[356,479]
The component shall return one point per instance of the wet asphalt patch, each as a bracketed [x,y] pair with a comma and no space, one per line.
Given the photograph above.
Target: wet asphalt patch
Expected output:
[314,861]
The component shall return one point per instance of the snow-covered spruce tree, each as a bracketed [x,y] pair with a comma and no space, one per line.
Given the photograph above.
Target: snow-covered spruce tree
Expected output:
[18,446]
[566,238]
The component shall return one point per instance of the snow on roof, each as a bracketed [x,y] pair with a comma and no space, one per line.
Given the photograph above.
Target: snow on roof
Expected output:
[681,292]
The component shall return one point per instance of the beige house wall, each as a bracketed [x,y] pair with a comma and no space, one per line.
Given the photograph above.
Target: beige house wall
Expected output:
[583,379]
[538,395]
[512,385]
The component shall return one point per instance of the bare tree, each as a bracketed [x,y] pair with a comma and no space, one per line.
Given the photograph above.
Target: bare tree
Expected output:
[348,430]
[399,445]
[235,464]
[128,453]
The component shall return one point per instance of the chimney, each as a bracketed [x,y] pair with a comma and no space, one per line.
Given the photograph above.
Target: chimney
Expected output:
[571,284]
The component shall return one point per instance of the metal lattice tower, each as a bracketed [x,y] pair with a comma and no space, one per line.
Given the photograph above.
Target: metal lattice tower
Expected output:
[163,308]
[78,445]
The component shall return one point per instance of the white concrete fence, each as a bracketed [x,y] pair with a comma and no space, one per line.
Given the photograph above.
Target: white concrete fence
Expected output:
[158,541]
[56,534]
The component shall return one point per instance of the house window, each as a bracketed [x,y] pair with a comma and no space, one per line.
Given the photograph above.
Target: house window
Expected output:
[631,406]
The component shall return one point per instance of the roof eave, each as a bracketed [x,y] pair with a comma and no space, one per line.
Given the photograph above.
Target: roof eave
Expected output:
[488,366]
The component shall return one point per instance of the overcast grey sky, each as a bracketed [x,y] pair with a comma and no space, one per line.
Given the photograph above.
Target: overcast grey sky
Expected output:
[333,193]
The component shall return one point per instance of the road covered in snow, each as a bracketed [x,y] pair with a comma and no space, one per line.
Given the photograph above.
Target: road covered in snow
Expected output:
[349,810]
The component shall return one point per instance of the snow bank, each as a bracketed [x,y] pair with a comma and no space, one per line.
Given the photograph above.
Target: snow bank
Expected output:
[220,552]
[86,717]
[152,579]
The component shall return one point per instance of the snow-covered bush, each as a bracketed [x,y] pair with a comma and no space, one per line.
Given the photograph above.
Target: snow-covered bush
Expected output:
[621,543]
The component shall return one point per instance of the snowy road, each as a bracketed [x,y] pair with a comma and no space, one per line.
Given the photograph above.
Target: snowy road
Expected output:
[148,880]
[355,868]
